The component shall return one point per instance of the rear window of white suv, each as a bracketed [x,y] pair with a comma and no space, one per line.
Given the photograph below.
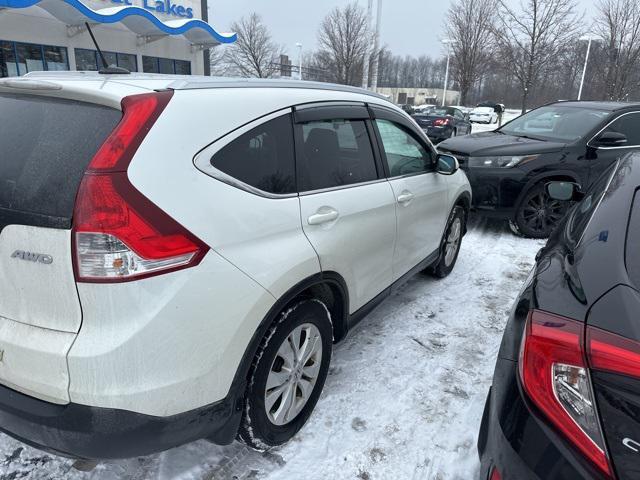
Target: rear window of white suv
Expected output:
[262,158]
[46,145]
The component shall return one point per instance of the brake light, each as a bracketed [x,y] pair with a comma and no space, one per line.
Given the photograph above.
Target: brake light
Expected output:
[495,474]
[612,353]
[119,234]
[555,377]
[441,122]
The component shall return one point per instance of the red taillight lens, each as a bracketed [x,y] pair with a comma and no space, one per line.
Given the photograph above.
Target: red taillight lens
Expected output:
[495,474]
[440,122]
[118,233]
[555,377]
[612,353]
[140,112]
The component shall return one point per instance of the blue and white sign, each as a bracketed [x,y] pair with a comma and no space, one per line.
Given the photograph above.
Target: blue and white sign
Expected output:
[167,7]
[77,12]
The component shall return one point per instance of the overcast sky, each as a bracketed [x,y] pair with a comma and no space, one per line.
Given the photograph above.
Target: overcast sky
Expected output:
[409,27]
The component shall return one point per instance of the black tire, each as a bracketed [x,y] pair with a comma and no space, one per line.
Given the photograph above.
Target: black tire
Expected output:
[538,214]
[446,263]
[256,429]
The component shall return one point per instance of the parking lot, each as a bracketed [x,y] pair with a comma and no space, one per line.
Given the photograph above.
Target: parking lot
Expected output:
[403,399]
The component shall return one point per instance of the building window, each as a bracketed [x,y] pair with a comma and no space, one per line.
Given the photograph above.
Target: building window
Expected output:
[166,65]
[20,58]
[183,67]
[90,60]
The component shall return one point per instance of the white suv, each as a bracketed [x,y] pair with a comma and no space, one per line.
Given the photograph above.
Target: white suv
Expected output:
[178,254]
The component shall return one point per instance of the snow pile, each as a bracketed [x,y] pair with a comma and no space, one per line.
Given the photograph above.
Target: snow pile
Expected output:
[403,399]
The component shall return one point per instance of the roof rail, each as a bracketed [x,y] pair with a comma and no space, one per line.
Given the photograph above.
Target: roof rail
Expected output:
[194,83]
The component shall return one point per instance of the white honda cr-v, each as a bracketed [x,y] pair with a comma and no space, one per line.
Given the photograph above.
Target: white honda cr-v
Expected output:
[179,254]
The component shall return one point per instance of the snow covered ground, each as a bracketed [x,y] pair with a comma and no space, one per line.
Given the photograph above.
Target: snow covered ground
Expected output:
[403,399]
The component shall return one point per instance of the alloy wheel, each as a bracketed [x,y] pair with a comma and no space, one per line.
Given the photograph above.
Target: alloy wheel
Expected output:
[293,374]
[453,242]
[541,213]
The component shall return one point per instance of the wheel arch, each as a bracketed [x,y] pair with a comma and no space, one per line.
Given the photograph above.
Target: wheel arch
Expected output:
[329,287]
[559,175]
[464,200]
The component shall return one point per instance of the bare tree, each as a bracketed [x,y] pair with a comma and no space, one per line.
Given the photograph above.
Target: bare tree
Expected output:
[618,24]
[254,54]
[218,61]
[530,38]
[469,27]
[344,40]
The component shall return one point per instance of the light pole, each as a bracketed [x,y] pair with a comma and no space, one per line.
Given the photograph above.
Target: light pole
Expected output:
[376,46]
[299,45]
[446,73]
[367,55]
[586,62]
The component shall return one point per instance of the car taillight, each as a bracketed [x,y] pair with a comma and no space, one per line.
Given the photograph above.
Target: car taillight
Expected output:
[609,352]
[554,375]
[440,122]
[119,234]
[495,474]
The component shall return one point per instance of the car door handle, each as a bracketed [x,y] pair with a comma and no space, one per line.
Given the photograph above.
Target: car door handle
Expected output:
[405,197]
[323,215]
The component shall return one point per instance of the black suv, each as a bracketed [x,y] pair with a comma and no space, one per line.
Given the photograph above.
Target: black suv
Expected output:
[565,399]
[565,141]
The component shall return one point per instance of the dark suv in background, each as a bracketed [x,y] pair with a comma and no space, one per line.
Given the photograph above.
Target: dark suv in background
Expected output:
[565,399]
[568,141]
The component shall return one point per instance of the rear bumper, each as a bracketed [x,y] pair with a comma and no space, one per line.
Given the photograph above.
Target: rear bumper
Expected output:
[79,431]
[437,134]
[517,442]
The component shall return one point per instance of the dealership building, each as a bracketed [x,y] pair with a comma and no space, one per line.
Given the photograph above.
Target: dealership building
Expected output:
[155,36]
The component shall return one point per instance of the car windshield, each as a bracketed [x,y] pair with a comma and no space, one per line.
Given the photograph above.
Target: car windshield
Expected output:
[556,122]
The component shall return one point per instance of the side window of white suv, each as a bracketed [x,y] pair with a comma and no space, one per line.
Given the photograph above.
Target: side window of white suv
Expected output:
[262,158]
[334,153]
[405,154]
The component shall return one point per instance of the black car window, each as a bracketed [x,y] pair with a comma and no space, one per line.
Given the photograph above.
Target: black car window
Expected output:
[405,155]
[443,112]
[263,157]
[632,254]
[459,114]
[334,153]
[556,123]
[581,214]
[629,125]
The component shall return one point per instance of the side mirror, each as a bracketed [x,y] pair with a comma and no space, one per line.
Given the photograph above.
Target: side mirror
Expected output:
[564,191]
[447,164]
[610,139]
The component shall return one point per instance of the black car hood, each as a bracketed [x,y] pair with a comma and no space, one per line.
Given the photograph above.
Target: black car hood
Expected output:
[493,143]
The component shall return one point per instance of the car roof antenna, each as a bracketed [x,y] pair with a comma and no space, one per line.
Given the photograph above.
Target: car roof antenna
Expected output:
[106,68]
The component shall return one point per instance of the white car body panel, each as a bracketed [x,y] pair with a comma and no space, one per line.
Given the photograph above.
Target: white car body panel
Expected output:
[420,221]
[34,360]
[166,344]
[359,243]
[36,293]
